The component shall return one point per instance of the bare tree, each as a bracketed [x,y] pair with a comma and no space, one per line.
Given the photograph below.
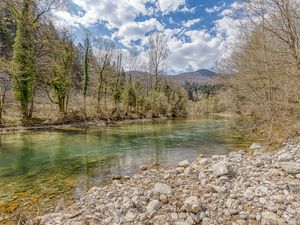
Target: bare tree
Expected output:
[133,62]
[265,64]
[104,53]
[157,53]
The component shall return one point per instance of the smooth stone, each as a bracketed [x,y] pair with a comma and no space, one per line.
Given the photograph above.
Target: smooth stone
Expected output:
[161,188]
[285,157]
[130,216]
[184,163]
[291,167]
[153,206]
[220,169]
[270,218]
[192,204]
[255,146]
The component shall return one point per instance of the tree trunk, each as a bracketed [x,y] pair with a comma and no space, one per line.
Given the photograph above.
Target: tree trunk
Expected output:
[2,102]
[84,106]
[31,105]
[24,110]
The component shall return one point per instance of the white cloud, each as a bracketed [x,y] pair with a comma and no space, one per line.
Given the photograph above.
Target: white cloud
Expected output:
[190,23]
[136,30]
[186,9]
[201,51]
[190,49]
[116,13]
[167,6]
[213,9]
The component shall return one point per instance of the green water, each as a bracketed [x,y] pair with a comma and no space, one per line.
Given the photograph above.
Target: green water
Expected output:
[40,168]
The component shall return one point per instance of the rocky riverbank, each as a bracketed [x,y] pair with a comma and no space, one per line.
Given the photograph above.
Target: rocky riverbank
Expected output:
[253,187]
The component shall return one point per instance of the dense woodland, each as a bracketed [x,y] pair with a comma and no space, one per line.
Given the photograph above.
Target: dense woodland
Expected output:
[48,76]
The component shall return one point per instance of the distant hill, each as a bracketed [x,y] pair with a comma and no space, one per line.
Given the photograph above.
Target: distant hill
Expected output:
[199,76]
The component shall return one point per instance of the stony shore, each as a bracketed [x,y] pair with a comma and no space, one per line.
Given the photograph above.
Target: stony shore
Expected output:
[253,187]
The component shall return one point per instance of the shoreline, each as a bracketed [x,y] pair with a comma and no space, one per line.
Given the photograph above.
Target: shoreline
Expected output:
[100,123]
[83,124]
[244,187]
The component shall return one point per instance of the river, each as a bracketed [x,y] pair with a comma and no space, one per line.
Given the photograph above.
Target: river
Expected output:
[39,169]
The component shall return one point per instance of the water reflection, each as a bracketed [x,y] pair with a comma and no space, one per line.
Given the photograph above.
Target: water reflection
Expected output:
[42,167]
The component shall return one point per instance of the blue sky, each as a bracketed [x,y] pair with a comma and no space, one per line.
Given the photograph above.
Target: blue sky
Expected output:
[199,30]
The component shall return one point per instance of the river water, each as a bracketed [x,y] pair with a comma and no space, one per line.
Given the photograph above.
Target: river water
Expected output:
[38,169]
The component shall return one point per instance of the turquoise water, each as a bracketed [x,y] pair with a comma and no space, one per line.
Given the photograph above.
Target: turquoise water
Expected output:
[40,168]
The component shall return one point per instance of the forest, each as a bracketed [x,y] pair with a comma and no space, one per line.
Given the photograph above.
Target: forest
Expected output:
[48,76]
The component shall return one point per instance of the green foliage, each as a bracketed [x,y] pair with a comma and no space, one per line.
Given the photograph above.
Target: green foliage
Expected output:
[7,29]
[63,62]
[129,97]
[59,83]
[157,103]
[195,90]
[46,62]
[24,56]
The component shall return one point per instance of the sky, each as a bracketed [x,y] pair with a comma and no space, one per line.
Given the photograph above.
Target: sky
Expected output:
[199,31]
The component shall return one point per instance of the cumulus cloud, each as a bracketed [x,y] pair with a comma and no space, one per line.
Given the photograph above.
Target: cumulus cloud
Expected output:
[201,51]
[167,6]
[136,31]
[116,13]
[130,21]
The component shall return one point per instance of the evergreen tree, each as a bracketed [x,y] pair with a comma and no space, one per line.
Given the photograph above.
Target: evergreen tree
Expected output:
[24,56]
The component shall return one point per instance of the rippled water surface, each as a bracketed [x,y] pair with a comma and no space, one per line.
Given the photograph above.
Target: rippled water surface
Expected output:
[38,169]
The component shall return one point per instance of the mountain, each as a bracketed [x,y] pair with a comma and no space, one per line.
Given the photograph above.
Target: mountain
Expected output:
[199,76]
